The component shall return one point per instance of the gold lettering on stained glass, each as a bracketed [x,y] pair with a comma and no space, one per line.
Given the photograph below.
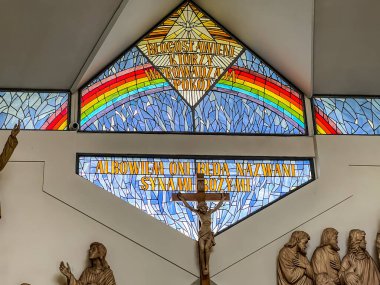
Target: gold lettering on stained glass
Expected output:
[191,64]
[230,76]
[130,167]
[178,175]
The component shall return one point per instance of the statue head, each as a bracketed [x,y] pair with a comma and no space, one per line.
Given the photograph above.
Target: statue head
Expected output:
[323,279]
[330,237]
[202,207]
[356,241]
[299,239]
[98,251]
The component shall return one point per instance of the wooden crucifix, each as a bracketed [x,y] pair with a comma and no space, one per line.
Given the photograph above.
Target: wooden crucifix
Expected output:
[205,234]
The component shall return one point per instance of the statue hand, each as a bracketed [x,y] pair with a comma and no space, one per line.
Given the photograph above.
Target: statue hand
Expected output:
[65,270]
[334,265]
[224,196]
[299,263]
[352,278]
[16,129]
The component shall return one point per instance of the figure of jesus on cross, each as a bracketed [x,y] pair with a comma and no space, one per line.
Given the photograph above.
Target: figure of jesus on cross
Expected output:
[205,234]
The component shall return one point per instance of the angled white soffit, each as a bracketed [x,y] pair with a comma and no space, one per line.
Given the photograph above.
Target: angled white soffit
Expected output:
[45,43]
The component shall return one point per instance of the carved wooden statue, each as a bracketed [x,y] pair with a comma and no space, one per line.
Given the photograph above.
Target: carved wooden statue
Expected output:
[323,279]
[9,147]
[378,246]
[326,260]
[293,267]
[98,273]
[358,267]
[205,234]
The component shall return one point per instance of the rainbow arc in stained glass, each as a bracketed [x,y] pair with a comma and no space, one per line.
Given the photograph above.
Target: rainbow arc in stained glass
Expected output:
[36,110]
[147,183]
[188,75]
[131,95]
[346,115]
[256,96]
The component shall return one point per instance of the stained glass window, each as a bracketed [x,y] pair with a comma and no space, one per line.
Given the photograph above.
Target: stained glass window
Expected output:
[148,184]
[189,75]
[131,95]
[36,110]
[347,115]
[251,98]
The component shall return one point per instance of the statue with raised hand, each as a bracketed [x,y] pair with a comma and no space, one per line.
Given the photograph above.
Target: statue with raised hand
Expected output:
[10,146]
[98,273]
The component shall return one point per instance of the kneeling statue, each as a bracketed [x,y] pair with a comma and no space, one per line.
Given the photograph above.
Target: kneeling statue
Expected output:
[98,273]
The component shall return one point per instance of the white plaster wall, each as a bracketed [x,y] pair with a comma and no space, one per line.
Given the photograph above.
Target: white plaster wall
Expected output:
[51,214]
[346,44]
[37,231]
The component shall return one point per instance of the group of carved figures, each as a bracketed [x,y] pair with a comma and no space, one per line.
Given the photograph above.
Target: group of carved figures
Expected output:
[326,268]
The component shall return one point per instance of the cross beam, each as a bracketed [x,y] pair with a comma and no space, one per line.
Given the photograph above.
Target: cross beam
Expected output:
[201,195]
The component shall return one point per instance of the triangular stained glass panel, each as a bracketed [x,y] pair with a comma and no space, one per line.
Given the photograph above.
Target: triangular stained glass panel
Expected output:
[190,50]
[189,75]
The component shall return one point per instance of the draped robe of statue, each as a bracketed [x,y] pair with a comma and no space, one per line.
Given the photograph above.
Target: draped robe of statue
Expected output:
[366,268]
[8,149]
[321,262]
[288,273]
[89,276]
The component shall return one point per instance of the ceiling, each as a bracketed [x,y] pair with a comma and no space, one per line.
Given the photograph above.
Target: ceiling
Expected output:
[49,44]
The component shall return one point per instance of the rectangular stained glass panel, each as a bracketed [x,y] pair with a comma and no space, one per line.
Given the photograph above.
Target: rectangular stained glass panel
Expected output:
[346,115]
[36,110]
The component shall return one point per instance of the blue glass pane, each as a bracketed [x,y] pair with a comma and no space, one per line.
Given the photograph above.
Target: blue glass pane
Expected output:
[36,110]
[345,115]
[128,60]
[220,112]
[144,114]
